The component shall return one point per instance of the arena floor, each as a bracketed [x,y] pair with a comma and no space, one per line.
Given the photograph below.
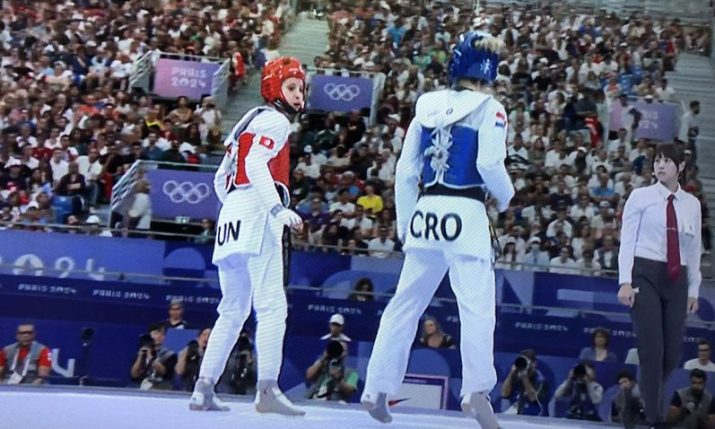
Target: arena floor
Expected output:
[95,408]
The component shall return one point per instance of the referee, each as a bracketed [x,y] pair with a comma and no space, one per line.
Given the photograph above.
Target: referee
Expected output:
[659,273]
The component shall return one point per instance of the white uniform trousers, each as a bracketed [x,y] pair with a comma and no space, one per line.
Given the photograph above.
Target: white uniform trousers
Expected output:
[472,281]
[250,280]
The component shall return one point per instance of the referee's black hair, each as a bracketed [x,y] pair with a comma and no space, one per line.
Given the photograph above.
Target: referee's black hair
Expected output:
[669,150]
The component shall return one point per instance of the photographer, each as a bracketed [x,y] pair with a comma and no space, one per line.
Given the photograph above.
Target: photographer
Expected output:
[584,392]
[332,380]
[189,362]
[627,406]
[525,387]
[154,366]
[240,376]
[692,407]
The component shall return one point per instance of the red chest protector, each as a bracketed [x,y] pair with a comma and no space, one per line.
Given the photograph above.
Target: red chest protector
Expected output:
[280,166]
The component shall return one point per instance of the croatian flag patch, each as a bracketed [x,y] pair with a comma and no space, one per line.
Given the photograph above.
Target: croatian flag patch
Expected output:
[501,120]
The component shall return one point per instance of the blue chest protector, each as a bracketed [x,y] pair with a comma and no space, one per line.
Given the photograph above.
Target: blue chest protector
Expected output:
[453,162]
[449,142]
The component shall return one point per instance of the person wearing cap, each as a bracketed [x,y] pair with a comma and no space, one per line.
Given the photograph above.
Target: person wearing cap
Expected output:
[307,165]
[337,324]
[252,183]
[331,379]
[534,258]
[454,148]
[93,227]
[659,272]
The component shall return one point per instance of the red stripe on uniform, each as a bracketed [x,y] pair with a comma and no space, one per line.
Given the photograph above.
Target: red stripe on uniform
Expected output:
[245,141]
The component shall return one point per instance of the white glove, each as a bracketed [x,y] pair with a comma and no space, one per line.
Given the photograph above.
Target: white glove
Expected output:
[502,207]
[289,218]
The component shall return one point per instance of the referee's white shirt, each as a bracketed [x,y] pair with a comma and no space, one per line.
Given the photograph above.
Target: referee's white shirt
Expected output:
[643,233]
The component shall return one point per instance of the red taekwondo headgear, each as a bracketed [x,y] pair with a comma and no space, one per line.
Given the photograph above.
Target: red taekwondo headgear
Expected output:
[272,77]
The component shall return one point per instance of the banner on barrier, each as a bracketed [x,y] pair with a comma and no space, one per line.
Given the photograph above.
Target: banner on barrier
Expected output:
[174,78]
[657,120]
[81,256]
[183,193]
[338,93]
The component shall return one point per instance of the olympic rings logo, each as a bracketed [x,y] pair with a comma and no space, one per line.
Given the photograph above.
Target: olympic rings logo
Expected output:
[341,91]
[186,192]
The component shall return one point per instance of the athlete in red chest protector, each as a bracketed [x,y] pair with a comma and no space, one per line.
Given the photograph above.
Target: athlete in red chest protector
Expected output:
[252,184]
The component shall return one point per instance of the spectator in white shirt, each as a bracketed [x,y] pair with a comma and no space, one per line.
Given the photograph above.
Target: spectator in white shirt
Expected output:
[381,246]
[343,204]
[639,151]
[140,211]
[93,227]
[535,258]
[583,208]
[27,159]
[90,167]
[513,235]
[604,216]
[624,184]
[517,152]
[509,256]
[59,166]
[588,266]
[308,167]
[703,360]
[563,264]
[359,221]
[385,170]
[517,177]
[621,141]
[689,124]
[556,156]
[664,92]
[583,239]
[561,223]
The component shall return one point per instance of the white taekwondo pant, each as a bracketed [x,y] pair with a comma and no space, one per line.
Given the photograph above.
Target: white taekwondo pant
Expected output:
[250,280]
[472,281]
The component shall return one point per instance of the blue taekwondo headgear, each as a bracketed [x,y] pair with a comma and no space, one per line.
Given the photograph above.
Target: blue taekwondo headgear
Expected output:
[472,61]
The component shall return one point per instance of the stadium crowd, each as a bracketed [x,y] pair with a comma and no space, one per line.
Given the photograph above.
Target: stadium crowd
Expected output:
[71,126]
[559,81]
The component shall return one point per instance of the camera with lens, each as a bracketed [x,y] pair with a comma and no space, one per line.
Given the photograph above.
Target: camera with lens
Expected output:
[146,342]
[193,354]
[522,364]
[334,350]
[579,372]
[244,348]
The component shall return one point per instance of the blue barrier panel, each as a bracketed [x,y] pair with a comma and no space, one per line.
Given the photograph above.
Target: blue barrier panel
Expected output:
[335,274]
[119,312]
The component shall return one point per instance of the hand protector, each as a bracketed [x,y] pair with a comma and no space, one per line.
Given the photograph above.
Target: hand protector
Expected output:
[287,216]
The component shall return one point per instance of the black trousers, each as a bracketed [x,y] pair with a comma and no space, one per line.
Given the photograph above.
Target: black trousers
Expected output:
[658,316]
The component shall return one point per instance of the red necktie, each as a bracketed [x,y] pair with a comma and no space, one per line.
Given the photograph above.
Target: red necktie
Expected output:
[671,224]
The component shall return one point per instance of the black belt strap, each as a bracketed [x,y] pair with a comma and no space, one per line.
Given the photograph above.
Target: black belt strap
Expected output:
[476,193]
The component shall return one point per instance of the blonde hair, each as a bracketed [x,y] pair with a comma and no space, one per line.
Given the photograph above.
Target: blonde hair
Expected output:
[491,44]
